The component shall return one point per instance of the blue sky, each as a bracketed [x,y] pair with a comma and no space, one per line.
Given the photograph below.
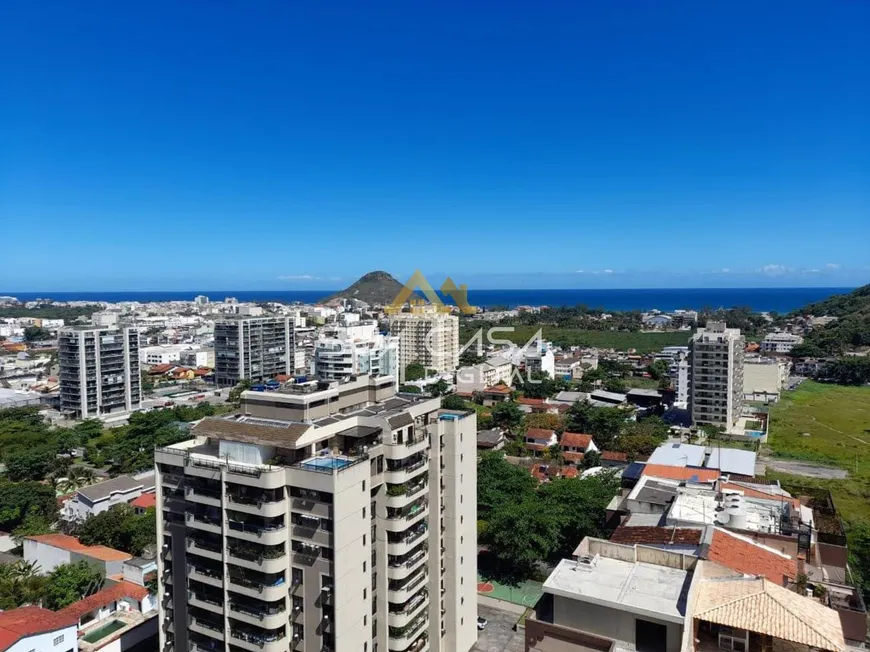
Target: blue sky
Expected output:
[212,144]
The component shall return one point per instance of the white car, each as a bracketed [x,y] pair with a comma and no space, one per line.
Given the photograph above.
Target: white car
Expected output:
[481,623]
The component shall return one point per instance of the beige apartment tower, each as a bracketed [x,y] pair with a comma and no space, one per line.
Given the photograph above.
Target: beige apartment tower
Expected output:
[716,381]
[427,336]
[322,517]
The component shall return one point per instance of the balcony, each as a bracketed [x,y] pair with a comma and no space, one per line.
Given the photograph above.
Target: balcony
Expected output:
[402,544]
[205,548]
[401,567]
[204,522]
[311,530]
[205,574]
[401,473]
[257,612]
[211,627]
[206,601]
[400,519]
[401,592]
[271,587]
[401,638]
[400,495]
[406,449]
[264,503]
[257,639]
[267,559]
[203,496]
[261,531]
[403,615]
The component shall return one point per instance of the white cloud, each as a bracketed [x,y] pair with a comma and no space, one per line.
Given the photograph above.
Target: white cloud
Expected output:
[833,265]
[774,270]
[724,270]
[813,270]
[299,277]
[607,271]
[580,271]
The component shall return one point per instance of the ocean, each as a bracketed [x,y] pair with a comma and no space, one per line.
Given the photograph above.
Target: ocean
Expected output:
[759,299]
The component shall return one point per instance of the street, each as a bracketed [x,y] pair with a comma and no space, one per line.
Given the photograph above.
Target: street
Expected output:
[499,635]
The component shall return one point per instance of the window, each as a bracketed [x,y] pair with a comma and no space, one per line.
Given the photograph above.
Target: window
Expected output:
[364,539]
[296,575]
[364,512]
[58,640]
[364,567]
[364,593]
[363,485]
[462,621]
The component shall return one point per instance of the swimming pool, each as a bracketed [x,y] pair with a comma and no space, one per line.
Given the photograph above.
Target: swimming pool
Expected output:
[755,434]
[102,632]
[326,462]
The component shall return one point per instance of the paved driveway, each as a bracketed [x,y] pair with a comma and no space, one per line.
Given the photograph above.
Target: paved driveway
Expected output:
[499,635]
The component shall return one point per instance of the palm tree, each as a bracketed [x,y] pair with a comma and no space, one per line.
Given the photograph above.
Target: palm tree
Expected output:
[23,569]
[77,477]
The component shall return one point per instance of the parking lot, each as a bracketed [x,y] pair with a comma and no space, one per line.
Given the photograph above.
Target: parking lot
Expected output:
[499,635]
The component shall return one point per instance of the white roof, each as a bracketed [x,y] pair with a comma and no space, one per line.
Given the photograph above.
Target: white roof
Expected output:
[645,589]
[732,460]
[678,455]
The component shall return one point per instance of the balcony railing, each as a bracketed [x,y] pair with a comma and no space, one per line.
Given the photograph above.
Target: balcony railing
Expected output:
[255,528]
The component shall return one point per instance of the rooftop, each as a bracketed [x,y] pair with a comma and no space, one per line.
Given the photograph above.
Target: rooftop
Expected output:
[16,624]
[745,556]
[575,439]
[653,535]
[104,597]
[656,591]
[732,460]
[145,501]
[252,430]
[66,542]
[105,489]
[685,474]
[760,606]
[678,455]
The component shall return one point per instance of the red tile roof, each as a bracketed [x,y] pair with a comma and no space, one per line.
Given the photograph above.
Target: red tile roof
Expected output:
[66,542]
[539,433]
[614,456]
[145,501]
[681,472]
[656,535]
[536,447]
[104,597]
[749,558]
[15,624]
[530,401]
[161,368]
[573,457]
[575,439]
[497,389]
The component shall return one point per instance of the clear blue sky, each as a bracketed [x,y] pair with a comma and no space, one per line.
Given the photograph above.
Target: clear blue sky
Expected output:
[254,145]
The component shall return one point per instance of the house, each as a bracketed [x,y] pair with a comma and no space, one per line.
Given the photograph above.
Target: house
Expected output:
[99,497]
[550,472]
[490,439]
[533,405]
[493,371]
[496,394]
[540,439]
[575,446]
[614,459]
[132,606]
[34,629]
[607,398]
[49,551]
[144,502]
[568,398]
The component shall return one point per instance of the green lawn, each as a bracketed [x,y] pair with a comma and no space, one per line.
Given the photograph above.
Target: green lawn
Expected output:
[837,419]
[638,382]
[643,342]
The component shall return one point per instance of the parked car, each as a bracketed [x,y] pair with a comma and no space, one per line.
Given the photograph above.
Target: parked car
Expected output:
[481,623]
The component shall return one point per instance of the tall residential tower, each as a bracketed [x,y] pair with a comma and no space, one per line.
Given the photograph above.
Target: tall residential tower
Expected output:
[253,348]
[323,516]
[99,370]
[716,383]
[428,337]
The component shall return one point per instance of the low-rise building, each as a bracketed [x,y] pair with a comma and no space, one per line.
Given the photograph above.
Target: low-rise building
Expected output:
[48,551]
[492,439]
[575,445]
[102,496]
[780,342]
[34,629]
[540,439]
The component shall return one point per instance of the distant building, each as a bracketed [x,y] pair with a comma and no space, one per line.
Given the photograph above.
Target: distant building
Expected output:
[49,551]
[99,370]
[427,337]
[102,496]
[253,348]
[354,349]
[540,361]
[716,394]
[678,371]
[197,358]
[780,342]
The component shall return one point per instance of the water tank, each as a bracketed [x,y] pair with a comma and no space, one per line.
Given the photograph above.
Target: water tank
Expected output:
[737,512]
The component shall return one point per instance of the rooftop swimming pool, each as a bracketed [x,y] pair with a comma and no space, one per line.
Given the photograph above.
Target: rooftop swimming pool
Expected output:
[102,632]
[326,462]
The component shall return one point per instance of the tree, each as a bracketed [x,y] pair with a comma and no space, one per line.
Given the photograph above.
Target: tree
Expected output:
[539,385]
[544,420]
[18,500]
[852,370]
[499,482]
[507,415]
[410,389]
[20,584]
[36,333]
[439,387]
[518,536]
[70,583]
[76,478]
[235,395]
[32,464]
[603,423]
[414,371]
[658,370]
[34,523]
[591,459]
[453,402]
[615,385]
[120,528]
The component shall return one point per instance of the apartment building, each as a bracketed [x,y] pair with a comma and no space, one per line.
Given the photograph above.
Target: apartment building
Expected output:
[324,516]
[99,370]
[716,384]
[428,337]
[256,348]
[678,371]
[354,349]
[780,342]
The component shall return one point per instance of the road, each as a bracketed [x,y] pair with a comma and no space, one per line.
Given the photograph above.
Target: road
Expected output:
[499,635]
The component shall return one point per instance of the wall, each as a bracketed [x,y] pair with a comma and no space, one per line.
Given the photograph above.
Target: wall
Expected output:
[833,555]
[611,623]
[45,642]
[48,557]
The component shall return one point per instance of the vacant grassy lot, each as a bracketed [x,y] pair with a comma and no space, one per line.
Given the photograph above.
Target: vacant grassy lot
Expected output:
[837,419]
[642,342]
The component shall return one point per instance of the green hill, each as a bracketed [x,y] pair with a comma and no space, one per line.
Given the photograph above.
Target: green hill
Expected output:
[851,331]
[375,288]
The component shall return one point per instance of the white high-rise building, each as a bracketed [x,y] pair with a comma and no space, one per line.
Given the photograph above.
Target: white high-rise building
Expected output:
[678,371]
[325,516]
[356,348]
[255,348]
[716,356]
[428,337]
[99,369]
